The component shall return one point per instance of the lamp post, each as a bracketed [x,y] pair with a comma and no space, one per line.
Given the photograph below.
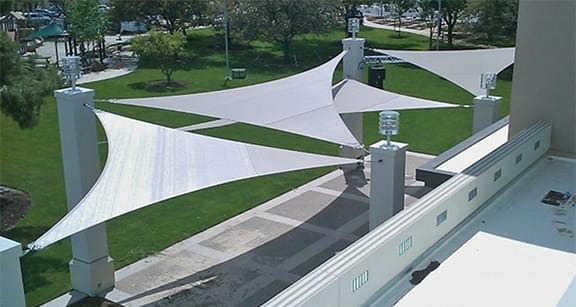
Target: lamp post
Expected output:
[439,24]
[486,107]
[91,269]
[387,171]
[226,34]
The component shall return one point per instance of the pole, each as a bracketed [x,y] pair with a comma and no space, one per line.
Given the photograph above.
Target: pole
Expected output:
[439,24]
[226,26]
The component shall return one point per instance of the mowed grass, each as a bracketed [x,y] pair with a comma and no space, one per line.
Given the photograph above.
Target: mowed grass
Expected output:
[30,159]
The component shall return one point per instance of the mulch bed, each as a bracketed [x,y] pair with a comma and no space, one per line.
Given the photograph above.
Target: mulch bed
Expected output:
[14,205]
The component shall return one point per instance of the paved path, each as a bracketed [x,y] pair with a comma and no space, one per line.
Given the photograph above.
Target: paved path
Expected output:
[371,24]
[248,259]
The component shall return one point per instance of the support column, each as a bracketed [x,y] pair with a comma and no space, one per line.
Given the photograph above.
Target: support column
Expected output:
[11,285]
[387,177]
[91,269]
[486,111]
[353,70]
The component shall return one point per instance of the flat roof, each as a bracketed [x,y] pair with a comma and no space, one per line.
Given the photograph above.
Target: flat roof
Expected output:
[474,153]
[518,251]
[491,270]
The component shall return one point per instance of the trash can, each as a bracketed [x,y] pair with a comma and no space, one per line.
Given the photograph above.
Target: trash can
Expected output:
[376,76]
[238,73]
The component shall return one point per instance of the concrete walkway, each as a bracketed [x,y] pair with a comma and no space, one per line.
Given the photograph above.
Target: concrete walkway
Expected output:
[371,24]
[248,259]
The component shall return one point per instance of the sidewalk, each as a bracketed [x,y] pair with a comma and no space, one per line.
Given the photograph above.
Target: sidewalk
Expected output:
[371,24]
[250,258]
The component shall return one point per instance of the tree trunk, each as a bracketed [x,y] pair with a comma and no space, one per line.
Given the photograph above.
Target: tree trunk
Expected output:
[399,25]
[286,44]
[450,30]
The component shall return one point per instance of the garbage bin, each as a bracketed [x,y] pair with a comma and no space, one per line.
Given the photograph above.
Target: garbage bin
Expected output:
[238,73]
[376,76]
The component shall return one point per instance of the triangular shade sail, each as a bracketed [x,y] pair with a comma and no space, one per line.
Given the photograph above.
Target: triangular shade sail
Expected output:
[351,96]
[300,104]
[148,163]
[462,67]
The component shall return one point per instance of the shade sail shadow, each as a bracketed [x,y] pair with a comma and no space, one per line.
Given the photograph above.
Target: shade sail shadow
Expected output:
[260,270]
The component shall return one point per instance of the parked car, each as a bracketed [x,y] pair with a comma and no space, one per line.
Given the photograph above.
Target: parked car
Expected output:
[46,12]
[103,8]
[36,19]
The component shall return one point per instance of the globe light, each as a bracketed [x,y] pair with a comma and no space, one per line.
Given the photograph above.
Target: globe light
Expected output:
[388,124]
[71,70]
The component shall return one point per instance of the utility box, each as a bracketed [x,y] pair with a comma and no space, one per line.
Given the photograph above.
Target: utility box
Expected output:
[376,76]
[238,73]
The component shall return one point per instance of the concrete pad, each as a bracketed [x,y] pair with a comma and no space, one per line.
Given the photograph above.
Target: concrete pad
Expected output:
[278,250]
[321,209]
[246,235]
[319,258]
[265,293]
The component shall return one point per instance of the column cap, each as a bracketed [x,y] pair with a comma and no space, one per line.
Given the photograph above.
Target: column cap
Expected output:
[67,92]
[382,147]
[487,99]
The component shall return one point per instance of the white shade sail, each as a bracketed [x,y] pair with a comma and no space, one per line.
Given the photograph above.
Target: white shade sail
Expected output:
[300,104]
[148,163]
[462,67]
[351,96]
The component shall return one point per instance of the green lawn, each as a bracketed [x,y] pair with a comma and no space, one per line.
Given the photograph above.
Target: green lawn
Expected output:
[30,159]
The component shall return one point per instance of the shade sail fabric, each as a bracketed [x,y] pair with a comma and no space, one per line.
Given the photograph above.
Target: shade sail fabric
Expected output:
[50,30]
[462,67]
[300,104]
[351,96]
[148,163]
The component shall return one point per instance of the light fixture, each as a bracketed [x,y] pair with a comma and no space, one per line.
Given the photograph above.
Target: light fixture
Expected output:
[488,82]
[353,26]
[71,70]
[388,124]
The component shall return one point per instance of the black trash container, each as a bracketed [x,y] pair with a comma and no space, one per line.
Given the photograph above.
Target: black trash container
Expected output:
[376,76]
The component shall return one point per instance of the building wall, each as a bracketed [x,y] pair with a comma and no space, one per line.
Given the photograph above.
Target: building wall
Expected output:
[355,276]
[544,71]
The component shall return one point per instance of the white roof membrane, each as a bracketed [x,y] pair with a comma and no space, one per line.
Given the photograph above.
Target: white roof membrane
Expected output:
[148,163]
[462,67]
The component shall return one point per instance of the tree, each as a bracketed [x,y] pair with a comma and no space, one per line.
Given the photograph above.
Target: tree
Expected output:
[279,21]
[85,23]
[495,18]
[162,48]
[451,12]
[23,86]
[172,15]
[428,9]
[400,7]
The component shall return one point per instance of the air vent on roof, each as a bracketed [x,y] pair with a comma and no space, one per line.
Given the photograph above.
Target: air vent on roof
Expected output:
[556,198]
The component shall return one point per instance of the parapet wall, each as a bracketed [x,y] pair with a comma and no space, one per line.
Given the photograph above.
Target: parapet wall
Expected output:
[355,275]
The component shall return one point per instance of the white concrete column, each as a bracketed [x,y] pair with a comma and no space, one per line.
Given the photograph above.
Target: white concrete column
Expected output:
[387,177]
[11,285]
[91,269]
[353,70]
[486,111]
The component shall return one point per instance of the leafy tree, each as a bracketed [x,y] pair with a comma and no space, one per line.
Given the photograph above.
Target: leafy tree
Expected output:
[400,7]
[428,10]
[496,18]
[279,21]
[349,10]
[172,15]
[452,10]
[22,84]
[85,23]
[162,48]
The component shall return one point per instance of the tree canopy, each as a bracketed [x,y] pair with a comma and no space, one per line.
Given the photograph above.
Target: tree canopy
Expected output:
[279,21]
[23,86]
[162,48]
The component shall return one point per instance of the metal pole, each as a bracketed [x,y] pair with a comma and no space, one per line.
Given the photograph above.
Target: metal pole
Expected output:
[226,40]
[439,24]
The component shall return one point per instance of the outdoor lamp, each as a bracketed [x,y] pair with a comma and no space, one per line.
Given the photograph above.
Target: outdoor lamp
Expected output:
[388,124]
[488,81]
[71,70]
